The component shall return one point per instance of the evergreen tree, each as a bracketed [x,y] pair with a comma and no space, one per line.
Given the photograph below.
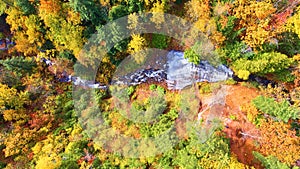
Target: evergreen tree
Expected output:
[26,6]
[89,11]
[19,65]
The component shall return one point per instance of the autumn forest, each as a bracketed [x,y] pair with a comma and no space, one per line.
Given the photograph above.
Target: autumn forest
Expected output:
[92,84]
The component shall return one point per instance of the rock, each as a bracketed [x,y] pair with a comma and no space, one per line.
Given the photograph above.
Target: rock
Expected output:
[184,73]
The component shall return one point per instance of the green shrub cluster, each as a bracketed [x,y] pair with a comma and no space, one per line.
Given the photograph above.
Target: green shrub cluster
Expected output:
[271,162]
[281,110]
[159,41]
[262,64]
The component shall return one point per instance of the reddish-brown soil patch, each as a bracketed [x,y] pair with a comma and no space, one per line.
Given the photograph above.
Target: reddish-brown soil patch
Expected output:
[143,92]
[241,145]
[238,96]
[240,131]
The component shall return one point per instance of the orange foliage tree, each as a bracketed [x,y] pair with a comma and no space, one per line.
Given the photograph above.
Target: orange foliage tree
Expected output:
[277,139]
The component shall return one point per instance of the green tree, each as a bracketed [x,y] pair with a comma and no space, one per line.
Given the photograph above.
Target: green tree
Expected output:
[5,4]
[1,35]
[2,7]
[262,63]
[26,6]
[270,162]
[19,65]
[159,41]
[117,11]
[201,50]
[89,11]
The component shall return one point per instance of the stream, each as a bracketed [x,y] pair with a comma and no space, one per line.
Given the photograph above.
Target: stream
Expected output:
[177,73]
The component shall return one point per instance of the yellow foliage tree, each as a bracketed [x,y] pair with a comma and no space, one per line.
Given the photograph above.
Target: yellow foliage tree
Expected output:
[18,141]
[157,13]
[202,14]
[255,16]
[63,23]
[293,23]
[136,48]
[27,31]
[133,22]
[6,95]
[11,99]
[20,116]
[46,152]
[50,6]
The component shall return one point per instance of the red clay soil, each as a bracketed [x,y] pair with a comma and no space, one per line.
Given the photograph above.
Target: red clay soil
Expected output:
[238,96]
[241,145]
[236,130]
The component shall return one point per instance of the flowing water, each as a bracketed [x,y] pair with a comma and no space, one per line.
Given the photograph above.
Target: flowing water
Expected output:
[172,69]
[181,73]
[176,71]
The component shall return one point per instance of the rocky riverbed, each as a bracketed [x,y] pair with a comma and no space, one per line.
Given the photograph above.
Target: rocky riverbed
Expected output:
[170,68]
[177,72]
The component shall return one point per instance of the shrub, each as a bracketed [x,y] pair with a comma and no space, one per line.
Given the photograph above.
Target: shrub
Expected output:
[232,117]
[130,90]
[234,51]
[160,90]
[253,115]
[250,84]
[1,35]
[296,126]
[270,162]
[230,81]
[159,41]
[284,76]
[19,65]
[192,56]
[289,43]
[163,123]
[68,55]
[152,87]
[262,64]
[205,88]
[282,110]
